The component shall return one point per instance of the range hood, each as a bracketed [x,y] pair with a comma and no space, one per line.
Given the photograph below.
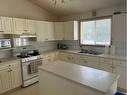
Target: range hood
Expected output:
[25,35]
[6,36]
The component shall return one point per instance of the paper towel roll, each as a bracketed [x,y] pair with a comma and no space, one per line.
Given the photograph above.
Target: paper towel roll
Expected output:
[106,50]
[112,50]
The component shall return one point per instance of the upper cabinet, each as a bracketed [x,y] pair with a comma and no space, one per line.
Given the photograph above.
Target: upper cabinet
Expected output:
[66,30]
[24,26]
[71,30]
[119,27]
[19,25]
[6,25]
[59,31]
[31,27]
[45,31]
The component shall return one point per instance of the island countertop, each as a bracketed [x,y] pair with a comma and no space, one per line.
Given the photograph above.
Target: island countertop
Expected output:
[96,79]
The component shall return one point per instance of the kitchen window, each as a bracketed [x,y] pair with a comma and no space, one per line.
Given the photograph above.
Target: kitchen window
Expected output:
[96,32]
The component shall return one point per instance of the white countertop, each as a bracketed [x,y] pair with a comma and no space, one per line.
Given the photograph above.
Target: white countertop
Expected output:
[77,52]
[101,55]
[96,79]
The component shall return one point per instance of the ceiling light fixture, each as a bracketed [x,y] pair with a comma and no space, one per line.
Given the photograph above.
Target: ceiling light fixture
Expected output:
[55,2]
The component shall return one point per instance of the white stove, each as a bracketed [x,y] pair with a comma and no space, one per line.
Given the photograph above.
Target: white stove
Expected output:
[29,68]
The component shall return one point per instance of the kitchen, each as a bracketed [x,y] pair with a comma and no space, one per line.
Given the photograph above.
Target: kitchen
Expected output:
[42,32]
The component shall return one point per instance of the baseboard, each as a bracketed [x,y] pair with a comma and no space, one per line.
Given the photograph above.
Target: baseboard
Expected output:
[10,91]
[122,90]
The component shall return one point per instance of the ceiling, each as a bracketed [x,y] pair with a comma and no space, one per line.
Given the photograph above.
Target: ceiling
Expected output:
[76,6]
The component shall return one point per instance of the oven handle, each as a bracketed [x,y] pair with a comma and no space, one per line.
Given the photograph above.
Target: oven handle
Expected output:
[28,63]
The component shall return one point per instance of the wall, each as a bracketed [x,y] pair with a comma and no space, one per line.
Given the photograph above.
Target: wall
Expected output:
[100,12]
[41,46]
[23,9]
[119,45]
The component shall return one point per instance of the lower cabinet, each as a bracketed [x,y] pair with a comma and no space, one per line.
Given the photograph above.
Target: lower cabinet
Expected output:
[10,76]
[50,57]
[68,57]
[105,67]
[5,80]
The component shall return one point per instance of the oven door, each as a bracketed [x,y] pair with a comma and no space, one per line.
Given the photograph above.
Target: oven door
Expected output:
[26,69]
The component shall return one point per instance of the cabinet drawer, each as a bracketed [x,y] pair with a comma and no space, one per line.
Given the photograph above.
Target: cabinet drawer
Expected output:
[119,63]
[106,60]
[83,57]
[93,59]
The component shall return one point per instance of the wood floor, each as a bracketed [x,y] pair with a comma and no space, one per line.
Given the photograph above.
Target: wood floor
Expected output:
[31,90]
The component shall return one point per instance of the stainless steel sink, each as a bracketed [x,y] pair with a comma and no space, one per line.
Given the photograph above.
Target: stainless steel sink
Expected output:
[89,52]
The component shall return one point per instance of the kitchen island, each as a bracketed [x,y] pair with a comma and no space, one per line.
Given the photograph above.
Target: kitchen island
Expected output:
[62,78]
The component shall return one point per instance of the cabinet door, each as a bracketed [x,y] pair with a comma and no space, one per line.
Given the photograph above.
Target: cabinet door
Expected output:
[19,25]
[49,30]
[0,83]
[82,62]
[1,29]
[63,56]
[15,77]
[41,31]
[4,80]
[31,27]
[59,32]
[122,82]
[7,25]
[71,30]
[119,27]
[105,67]
[68,30]
[93,64]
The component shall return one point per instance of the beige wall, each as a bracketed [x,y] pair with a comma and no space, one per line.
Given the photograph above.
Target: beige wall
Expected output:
[23,9]
[100,12]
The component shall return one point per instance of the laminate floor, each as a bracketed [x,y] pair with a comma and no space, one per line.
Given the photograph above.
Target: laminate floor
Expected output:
[31,90]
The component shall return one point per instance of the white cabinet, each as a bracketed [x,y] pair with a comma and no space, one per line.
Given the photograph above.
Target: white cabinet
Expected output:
[66,30]
[10,76]
[31,27]
[49,57]
[15,76]
[19,26]
[6,25]
[71,30]
[88,61]
[24,26]
[68,57]
[5,80]
[41,31]
[119,27]
[105,64]
[59,31]
[119,67]
[45,31]
[50,30]
[1,29]
[105,67]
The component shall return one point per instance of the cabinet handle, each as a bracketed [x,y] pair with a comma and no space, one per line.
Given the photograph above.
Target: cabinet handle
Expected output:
[85,61]
[25,30]
[113,67]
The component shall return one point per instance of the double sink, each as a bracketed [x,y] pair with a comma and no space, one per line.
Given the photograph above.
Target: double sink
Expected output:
[90,52]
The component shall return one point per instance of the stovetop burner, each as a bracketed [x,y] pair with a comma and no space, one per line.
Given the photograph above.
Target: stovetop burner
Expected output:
[20,56]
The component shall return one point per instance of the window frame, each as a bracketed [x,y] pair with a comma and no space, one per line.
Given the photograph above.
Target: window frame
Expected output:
[91,19]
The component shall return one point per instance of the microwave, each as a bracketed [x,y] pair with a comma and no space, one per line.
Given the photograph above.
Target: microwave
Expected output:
[5,43]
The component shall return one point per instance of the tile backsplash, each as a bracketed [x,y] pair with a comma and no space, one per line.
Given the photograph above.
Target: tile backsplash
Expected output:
[120,47]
